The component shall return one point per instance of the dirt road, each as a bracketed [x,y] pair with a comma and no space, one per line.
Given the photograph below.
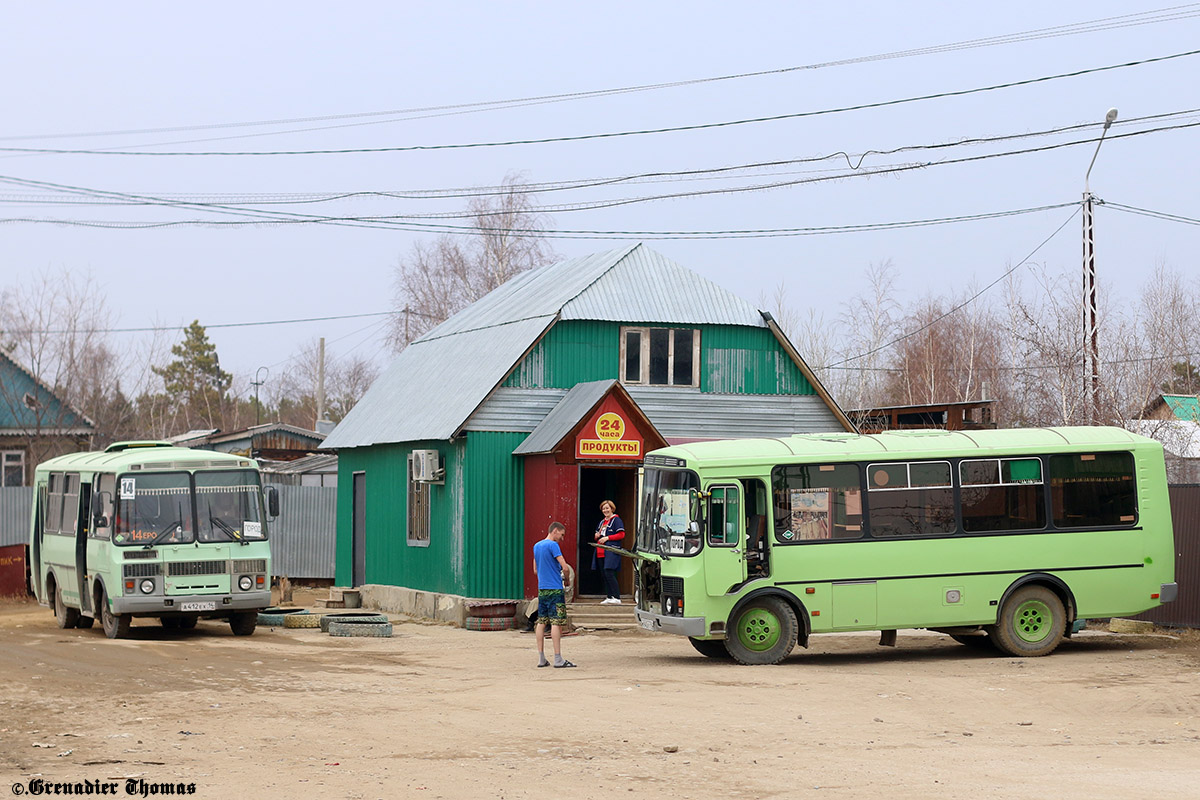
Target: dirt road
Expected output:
[439,712]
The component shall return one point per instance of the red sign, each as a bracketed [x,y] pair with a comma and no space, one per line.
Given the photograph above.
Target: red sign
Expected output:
[608,435]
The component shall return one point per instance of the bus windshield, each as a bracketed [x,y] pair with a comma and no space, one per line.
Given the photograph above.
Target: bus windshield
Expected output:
[154,508]
[229,506]
[666,525]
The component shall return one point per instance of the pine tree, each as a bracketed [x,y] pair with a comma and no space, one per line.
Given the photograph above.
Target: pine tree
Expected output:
[196,386]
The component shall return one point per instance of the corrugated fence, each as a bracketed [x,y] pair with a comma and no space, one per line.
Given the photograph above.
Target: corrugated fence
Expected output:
[1185,515]
[302,538]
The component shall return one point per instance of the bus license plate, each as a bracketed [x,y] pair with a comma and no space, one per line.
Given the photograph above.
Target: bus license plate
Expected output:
[207,606]
[648,624]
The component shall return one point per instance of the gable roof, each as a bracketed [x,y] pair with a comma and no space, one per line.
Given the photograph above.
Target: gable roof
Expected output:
[440,379]
[56,417]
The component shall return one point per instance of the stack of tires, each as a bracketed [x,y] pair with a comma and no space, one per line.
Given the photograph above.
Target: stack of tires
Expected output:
[491,615]
[356,623]
[277,617]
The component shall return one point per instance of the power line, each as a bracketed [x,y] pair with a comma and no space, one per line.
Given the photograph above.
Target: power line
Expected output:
[616,134]
[1169,14]
[1148,213]
[163,328]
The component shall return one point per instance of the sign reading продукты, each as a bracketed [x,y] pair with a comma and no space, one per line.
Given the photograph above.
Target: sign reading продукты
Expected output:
[610,439]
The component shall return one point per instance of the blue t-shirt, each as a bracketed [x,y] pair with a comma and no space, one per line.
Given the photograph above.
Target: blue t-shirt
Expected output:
[549,573]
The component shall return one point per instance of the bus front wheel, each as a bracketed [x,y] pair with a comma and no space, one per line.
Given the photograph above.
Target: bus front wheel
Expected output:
[116,626]
[63,615]
[762,632]
[243,623]
[1031,622]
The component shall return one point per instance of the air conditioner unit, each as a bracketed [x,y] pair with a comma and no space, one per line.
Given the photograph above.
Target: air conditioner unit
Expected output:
[426,466]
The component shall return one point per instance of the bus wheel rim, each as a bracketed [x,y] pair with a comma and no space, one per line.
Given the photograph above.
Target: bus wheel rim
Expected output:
[759,630]
[1033,621]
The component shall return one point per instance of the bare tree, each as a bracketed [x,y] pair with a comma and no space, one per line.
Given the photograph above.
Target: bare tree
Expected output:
[439,279]
[869,320]
[294,394]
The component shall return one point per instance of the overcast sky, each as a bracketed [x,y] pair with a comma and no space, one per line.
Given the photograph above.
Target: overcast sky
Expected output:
[123,74]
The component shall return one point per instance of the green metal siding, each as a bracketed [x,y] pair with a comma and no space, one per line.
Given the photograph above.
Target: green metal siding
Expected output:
[476,529]
[739,360]
[733,360]
[571,352]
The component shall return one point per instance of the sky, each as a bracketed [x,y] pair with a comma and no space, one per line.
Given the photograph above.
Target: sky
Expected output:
[139,78]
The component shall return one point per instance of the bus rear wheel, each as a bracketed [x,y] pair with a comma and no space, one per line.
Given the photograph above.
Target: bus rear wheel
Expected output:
[1031,623]
[762,632]
[64,616]
[712,648]
[116,626]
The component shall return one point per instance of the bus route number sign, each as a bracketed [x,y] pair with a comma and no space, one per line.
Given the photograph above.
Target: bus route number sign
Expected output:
[128,488]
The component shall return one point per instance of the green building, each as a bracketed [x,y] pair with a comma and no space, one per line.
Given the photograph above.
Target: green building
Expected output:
[538,401]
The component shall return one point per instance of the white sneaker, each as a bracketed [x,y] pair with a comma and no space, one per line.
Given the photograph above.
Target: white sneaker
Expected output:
[612,601]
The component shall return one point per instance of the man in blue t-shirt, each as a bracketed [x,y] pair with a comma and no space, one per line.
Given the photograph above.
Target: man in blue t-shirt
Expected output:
[548,566]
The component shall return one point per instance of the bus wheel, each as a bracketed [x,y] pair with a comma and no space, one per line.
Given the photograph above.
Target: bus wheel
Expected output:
[85,622]
[762,632]
[244,623]
[188,623]
[1031,622]
[116,626]
[64,616]
[712,648]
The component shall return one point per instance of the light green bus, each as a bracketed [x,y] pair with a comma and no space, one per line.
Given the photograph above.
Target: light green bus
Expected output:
[146,529]
[999,538]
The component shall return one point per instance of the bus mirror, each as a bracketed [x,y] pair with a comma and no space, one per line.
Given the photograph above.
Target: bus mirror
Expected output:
[103,503]
[272,493]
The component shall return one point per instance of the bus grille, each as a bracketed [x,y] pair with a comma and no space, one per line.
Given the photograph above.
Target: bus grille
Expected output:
[245,565]
[197,568]
[671,585]
[142,570]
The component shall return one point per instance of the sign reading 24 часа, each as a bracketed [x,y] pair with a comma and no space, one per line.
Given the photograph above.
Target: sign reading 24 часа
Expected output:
[610,439]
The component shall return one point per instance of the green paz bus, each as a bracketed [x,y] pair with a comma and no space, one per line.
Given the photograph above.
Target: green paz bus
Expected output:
[146,529]
[995,537]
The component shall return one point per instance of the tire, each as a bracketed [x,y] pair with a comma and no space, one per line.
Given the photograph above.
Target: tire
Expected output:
[378,630]
[351,616]
[188,623]
[497,608]
[301,621]
[711,648]
[169,623]
[273,617]
[243,623]
[116,626]
[64,616]
[490,623]
[85,622]
[1031,623]
[763,631]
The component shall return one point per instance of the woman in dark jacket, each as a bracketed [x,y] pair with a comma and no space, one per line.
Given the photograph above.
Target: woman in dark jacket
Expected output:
[610,531]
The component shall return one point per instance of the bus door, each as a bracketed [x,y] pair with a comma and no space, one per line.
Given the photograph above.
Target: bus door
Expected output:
[724,559]
[35,549]
[83,526]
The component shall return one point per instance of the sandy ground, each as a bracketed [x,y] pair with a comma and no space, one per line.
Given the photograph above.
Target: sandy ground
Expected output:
[439,712]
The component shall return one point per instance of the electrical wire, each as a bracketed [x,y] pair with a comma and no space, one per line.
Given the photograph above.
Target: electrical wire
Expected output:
[612,134]
[1169,14]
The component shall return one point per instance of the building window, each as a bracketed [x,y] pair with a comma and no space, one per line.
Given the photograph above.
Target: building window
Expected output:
[660,356]
[418,509]
[13,473]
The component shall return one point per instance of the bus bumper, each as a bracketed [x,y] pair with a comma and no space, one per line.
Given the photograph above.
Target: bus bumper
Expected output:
[153,605]
[661,623]
[1168,592]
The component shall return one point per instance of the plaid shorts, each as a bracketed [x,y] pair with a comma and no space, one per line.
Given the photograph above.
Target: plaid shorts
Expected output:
[552,606]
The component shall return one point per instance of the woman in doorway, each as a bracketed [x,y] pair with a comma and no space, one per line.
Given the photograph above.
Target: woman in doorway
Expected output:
[610,531]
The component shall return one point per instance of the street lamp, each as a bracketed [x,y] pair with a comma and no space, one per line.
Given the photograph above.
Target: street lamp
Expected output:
[1090,328]
[257,382]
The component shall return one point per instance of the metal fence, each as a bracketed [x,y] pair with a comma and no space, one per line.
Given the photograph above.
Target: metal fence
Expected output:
[15,504]
[303,538]
[1185,514]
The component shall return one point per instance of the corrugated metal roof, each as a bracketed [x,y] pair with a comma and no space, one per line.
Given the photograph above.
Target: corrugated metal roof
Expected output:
[435,384]
[1184,406]
[513,409]
[581,399]
[441,378]
[645,286]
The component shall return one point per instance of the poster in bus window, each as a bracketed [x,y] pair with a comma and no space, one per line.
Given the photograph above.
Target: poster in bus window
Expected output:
[810,514]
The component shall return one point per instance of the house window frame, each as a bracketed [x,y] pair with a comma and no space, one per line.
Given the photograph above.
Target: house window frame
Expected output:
[644,356]
[417,525]
[6,464]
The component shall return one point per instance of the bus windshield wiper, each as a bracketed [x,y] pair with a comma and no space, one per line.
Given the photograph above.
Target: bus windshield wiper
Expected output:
[224,526]
[177,525]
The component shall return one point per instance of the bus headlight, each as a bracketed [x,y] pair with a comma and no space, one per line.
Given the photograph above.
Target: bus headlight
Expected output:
[245,583]
[147,586]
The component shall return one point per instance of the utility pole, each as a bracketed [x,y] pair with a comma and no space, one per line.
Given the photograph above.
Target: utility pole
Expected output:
[320,384]
[1091,337]
[257,382]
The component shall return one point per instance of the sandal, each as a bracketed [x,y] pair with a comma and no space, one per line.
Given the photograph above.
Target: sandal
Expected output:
[545,664]
[564,664]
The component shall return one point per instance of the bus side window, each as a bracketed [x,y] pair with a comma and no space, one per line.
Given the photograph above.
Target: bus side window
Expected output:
[102,507]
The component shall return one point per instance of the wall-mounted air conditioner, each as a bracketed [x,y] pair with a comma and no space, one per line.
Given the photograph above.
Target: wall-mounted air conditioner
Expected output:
[426,466]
